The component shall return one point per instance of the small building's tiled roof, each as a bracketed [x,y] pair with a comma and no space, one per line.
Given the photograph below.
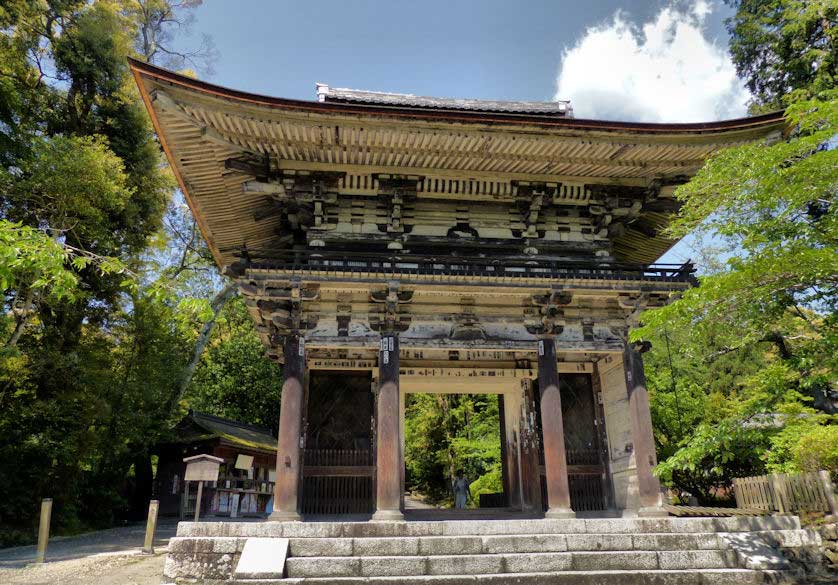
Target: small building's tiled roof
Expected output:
[326,93]
[231,431]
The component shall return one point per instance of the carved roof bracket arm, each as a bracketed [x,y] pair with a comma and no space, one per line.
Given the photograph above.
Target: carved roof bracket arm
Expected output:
[394,318]
[547,316]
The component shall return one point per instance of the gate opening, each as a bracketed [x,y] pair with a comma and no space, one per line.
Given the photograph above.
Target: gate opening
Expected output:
[449,433]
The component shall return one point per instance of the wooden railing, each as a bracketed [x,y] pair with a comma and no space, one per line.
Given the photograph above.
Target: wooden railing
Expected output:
[784,493]
[446,265]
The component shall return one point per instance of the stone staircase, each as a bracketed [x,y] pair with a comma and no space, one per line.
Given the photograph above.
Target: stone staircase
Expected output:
[668,551]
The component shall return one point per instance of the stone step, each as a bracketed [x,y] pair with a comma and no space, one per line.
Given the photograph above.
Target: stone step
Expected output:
[523,543]
[479,564]
[656,577]
[485,527]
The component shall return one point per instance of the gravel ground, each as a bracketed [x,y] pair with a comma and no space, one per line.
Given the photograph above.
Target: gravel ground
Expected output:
[105,557]
[101,569]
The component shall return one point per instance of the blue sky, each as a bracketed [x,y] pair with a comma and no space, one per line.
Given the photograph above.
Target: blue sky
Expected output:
[651,61]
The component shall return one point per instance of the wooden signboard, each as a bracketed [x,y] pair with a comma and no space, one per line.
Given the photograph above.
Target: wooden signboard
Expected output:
[201,468]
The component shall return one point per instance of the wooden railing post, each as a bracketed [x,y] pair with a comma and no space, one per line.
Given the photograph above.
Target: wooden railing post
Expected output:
[43,530]
[737,493]
[829,489]
[778,492]
[151,525]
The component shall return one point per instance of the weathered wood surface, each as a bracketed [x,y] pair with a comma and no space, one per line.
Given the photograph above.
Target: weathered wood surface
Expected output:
[786,493]
[710,511]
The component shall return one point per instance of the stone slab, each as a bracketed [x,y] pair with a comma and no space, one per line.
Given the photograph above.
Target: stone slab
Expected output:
[595,542]
[484,527]
[696,559]
[262,558]
[321,547]
[323,567]
[465,564]
[523,543]
[371,547]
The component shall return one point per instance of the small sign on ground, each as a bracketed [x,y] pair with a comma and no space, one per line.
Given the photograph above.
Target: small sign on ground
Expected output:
[263,558]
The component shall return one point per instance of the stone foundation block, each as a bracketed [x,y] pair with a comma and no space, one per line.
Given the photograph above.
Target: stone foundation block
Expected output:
[321,547]
[537,562]
[323,567]
[378,566]
[525,543]
[449,545]
[614,561]
[371,547]
[658,542]
[697,559]
[594,542]
[465,565]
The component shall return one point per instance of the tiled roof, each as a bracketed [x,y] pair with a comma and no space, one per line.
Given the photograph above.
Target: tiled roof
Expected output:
[356,96]
[245,435]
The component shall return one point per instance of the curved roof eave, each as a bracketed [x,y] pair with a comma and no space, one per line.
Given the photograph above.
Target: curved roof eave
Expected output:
[768,121]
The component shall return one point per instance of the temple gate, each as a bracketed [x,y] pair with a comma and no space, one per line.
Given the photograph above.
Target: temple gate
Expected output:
[387,244]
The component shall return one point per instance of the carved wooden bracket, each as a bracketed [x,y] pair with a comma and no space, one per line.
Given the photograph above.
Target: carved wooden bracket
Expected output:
[391,319]
[548,317]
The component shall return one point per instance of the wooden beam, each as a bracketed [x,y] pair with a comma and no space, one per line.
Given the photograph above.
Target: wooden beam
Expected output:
[457,174]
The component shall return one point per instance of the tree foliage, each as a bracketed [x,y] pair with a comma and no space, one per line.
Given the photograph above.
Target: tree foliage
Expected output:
[105,303]
[781,47]
[445,433]
[754,349]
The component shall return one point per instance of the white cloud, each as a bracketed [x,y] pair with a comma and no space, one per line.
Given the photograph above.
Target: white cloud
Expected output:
[664,71]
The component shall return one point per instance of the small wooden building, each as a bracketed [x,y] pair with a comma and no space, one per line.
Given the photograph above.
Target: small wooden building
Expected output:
[388,244]
[245,480]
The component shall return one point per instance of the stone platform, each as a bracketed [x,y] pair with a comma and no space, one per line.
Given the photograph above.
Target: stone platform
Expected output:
[664,551]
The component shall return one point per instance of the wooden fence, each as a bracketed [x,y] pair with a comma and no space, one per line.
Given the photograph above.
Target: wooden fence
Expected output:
[785,493]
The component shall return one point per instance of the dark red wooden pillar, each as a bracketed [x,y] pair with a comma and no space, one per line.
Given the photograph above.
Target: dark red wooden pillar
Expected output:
[288,463]
[552,428]
[641,429]
[388,443]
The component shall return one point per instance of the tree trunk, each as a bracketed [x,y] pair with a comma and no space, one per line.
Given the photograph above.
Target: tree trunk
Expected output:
[23,318]
[216,304]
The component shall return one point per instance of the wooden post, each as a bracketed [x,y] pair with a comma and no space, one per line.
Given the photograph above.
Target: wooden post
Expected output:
[184,500]
[778,492]
[552,428]
[150,526]
[388,444]
[651,500]
[43,529]
[829,490]
[198,500]
[288,460]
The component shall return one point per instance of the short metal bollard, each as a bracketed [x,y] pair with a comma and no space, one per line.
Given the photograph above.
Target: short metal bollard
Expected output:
[150,527]
[43,529]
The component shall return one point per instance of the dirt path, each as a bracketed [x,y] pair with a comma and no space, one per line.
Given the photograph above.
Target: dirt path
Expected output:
[101,569]
[105,557]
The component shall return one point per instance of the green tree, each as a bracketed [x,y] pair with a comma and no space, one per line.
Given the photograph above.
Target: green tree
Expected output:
[234,379]
[783,46]
[92,340]
[763,322]
[445,433]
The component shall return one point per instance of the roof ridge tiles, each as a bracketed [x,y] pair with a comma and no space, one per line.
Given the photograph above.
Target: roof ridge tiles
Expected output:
[345,95]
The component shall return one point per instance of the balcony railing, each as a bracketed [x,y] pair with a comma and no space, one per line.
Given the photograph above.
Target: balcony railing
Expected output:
[474,266]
